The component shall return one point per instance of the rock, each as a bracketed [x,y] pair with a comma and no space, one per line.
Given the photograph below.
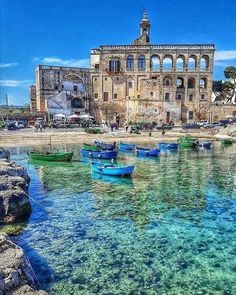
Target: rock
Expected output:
[16,275]
[4,154]
[14,199]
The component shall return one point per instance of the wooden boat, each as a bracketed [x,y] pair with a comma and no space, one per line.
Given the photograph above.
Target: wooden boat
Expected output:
[126,146]
[51,156]
[105,146]
[227,141]
[112,169]
[147,152]
[167,146]
[91,147]
[187,142]
[205,144]
[99,154]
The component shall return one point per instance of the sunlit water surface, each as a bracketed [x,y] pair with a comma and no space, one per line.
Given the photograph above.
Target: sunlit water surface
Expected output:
[169,230]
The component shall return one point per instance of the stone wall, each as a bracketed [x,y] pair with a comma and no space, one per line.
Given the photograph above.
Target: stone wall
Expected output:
[221,111]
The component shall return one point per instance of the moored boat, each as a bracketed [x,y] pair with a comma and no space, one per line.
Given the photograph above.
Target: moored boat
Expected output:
[126,146]
[112,169]
[187,142]
[105,146]
[99,154]
[51,156]
[227,141]
[167,146]
[205,144]
[91,147]
[147,152]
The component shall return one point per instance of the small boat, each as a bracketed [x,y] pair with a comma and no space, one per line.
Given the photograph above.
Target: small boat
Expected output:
[112,169]
[126,146]
[99,154]
[91,147]
[147,152]
[167,146]
[187,142]
[105,146]
[51,156]
[227,141]
[205,144]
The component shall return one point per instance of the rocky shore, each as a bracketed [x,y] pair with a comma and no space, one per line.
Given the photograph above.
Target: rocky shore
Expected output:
[16,274]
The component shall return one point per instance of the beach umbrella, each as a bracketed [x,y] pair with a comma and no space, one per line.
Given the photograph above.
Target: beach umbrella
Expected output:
[60,116]
[73,116]
[86,116]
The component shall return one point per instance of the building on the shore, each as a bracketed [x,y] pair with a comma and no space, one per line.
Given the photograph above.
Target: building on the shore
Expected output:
[64,90]
[138,82]
[33,102]
[153,82]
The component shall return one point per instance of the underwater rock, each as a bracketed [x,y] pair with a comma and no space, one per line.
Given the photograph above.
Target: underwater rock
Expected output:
[14,199]
[4,154]
[16,274]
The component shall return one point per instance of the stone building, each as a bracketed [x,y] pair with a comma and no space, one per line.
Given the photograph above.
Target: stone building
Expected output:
[64,90]
[153,82]
[32,94]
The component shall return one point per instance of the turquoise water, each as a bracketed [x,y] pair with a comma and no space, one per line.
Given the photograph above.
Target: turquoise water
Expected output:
[169,230]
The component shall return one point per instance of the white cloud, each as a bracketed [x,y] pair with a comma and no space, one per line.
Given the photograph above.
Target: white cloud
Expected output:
[72,62]
[8,65]
[15,83]
[222,55]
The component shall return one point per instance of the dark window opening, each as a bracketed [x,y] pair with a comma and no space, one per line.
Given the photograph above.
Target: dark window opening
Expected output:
[138,96]
[130,85]
[115,95]
[105,79]
[105,96]
[56,87]
[167,96]
[96,66]
[151,93]
[202,96]
[75,88]
[190,97]
[142,63]
[190,115]
[96,95]
[114,65]
[179,96]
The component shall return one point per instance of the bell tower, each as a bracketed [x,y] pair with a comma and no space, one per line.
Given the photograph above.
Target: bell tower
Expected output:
[145,27]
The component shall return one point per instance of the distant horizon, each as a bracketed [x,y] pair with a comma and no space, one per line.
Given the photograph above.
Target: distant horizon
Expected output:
[69,31]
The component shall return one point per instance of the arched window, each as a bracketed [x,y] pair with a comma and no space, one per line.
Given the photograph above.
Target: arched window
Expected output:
[204,62]
[114,65]
[141,62]
[203,83]
[167,81]
[155,63]
[192,62]
[180,82]
[130,62]
[180,62]
[77,103]
[168,62]
[191,83]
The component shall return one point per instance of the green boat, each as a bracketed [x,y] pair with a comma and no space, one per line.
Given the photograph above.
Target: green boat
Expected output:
[227,141]
[91,147]
[51,156]
[187,142]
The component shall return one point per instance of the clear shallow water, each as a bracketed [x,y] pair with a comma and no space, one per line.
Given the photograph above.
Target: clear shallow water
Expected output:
[169,230]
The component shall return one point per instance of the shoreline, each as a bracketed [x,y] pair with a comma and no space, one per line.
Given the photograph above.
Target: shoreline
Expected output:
[31,138]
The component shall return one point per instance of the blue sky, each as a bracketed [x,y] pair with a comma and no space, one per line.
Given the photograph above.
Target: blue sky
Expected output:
[62,33]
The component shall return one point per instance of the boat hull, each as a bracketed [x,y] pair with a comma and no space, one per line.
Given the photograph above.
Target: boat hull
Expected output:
[55,157]
[147,152]
[99,154]
[227,141]
[126,146]
[187,142]
[112,170]
[167,146]
[205,145]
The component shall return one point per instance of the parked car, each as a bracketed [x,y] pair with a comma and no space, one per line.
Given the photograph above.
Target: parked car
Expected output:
[213,125]
[40,121]
[202,123]
[20,124]
[60,124]
[191,126]
[224,122]
[11,126]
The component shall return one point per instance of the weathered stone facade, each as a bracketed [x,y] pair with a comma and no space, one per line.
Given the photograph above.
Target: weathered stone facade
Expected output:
[63,90]
[33,102]
[154,82]
[219,111]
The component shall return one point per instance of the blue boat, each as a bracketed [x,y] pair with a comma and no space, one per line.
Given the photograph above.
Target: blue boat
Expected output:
[167,146]
[127,146]
[105,146]
[205,144]
[147,152]
[99,154]
[112,169]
